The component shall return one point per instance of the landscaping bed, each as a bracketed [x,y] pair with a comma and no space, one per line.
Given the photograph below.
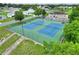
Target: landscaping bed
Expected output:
[7,19]
[28,47]
[8,43]
[4,33]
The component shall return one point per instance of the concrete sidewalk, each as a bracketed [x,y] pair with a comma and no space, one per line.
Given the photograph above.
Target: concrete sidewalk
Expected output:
[13,46]
[14,21]
[3,41]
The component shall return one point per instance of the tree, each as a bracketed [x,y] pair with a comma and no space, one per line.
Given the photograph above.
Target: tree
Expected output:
[71,31]
[75,14]
[66,48]
[52,6]
[51,48]
[2,5]
[34,6]
[19,16]
[40,11]
[26,6]
[44,13]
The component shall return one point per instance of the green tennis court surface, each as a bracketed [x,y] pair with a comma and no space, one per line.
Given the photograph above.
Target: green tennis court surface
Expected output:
[41,30]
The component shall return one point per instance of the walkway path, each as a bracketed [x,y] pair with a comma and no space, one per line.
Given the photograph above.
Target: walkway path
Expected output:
[13,21]
[13,46]
[7,23]
[3,41]
[26,38]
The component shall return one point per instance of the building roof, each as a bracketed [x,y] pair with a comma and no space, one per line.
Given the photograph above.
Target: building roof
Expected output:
[28,11]
[31,10]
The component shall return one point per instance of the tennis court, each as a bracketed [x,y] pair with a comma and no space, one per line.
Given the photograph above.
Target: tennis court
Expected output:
[40,30]
[34,24]
[48,31]
[55,25]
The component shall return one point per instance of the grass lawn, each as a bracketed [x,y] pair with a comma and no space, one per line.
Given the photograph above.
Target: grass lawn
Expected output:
[27,47]
[3,13]
[4,33]
[8,43]
[6,20]
[28,15]
[69,11]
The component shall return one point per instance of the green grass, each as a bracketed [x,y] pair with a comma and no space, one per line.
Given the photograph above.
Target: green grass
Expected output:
[6,20]
[28,15]
[8,43]
[69,11]
[4,33]
[3,13]
[28,47]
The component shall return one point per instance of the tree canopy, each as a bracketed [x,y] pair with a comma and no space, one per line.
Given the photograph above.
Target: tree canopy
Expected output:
[75,14]
[40,11]
[71,31]
[27,6]
[19,15]
[66,48]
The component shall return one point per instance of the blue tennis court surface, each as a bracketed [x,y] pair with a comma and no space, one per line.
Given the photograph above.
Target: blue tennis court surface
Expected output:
[55,25]
[34,24]
[49,31]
